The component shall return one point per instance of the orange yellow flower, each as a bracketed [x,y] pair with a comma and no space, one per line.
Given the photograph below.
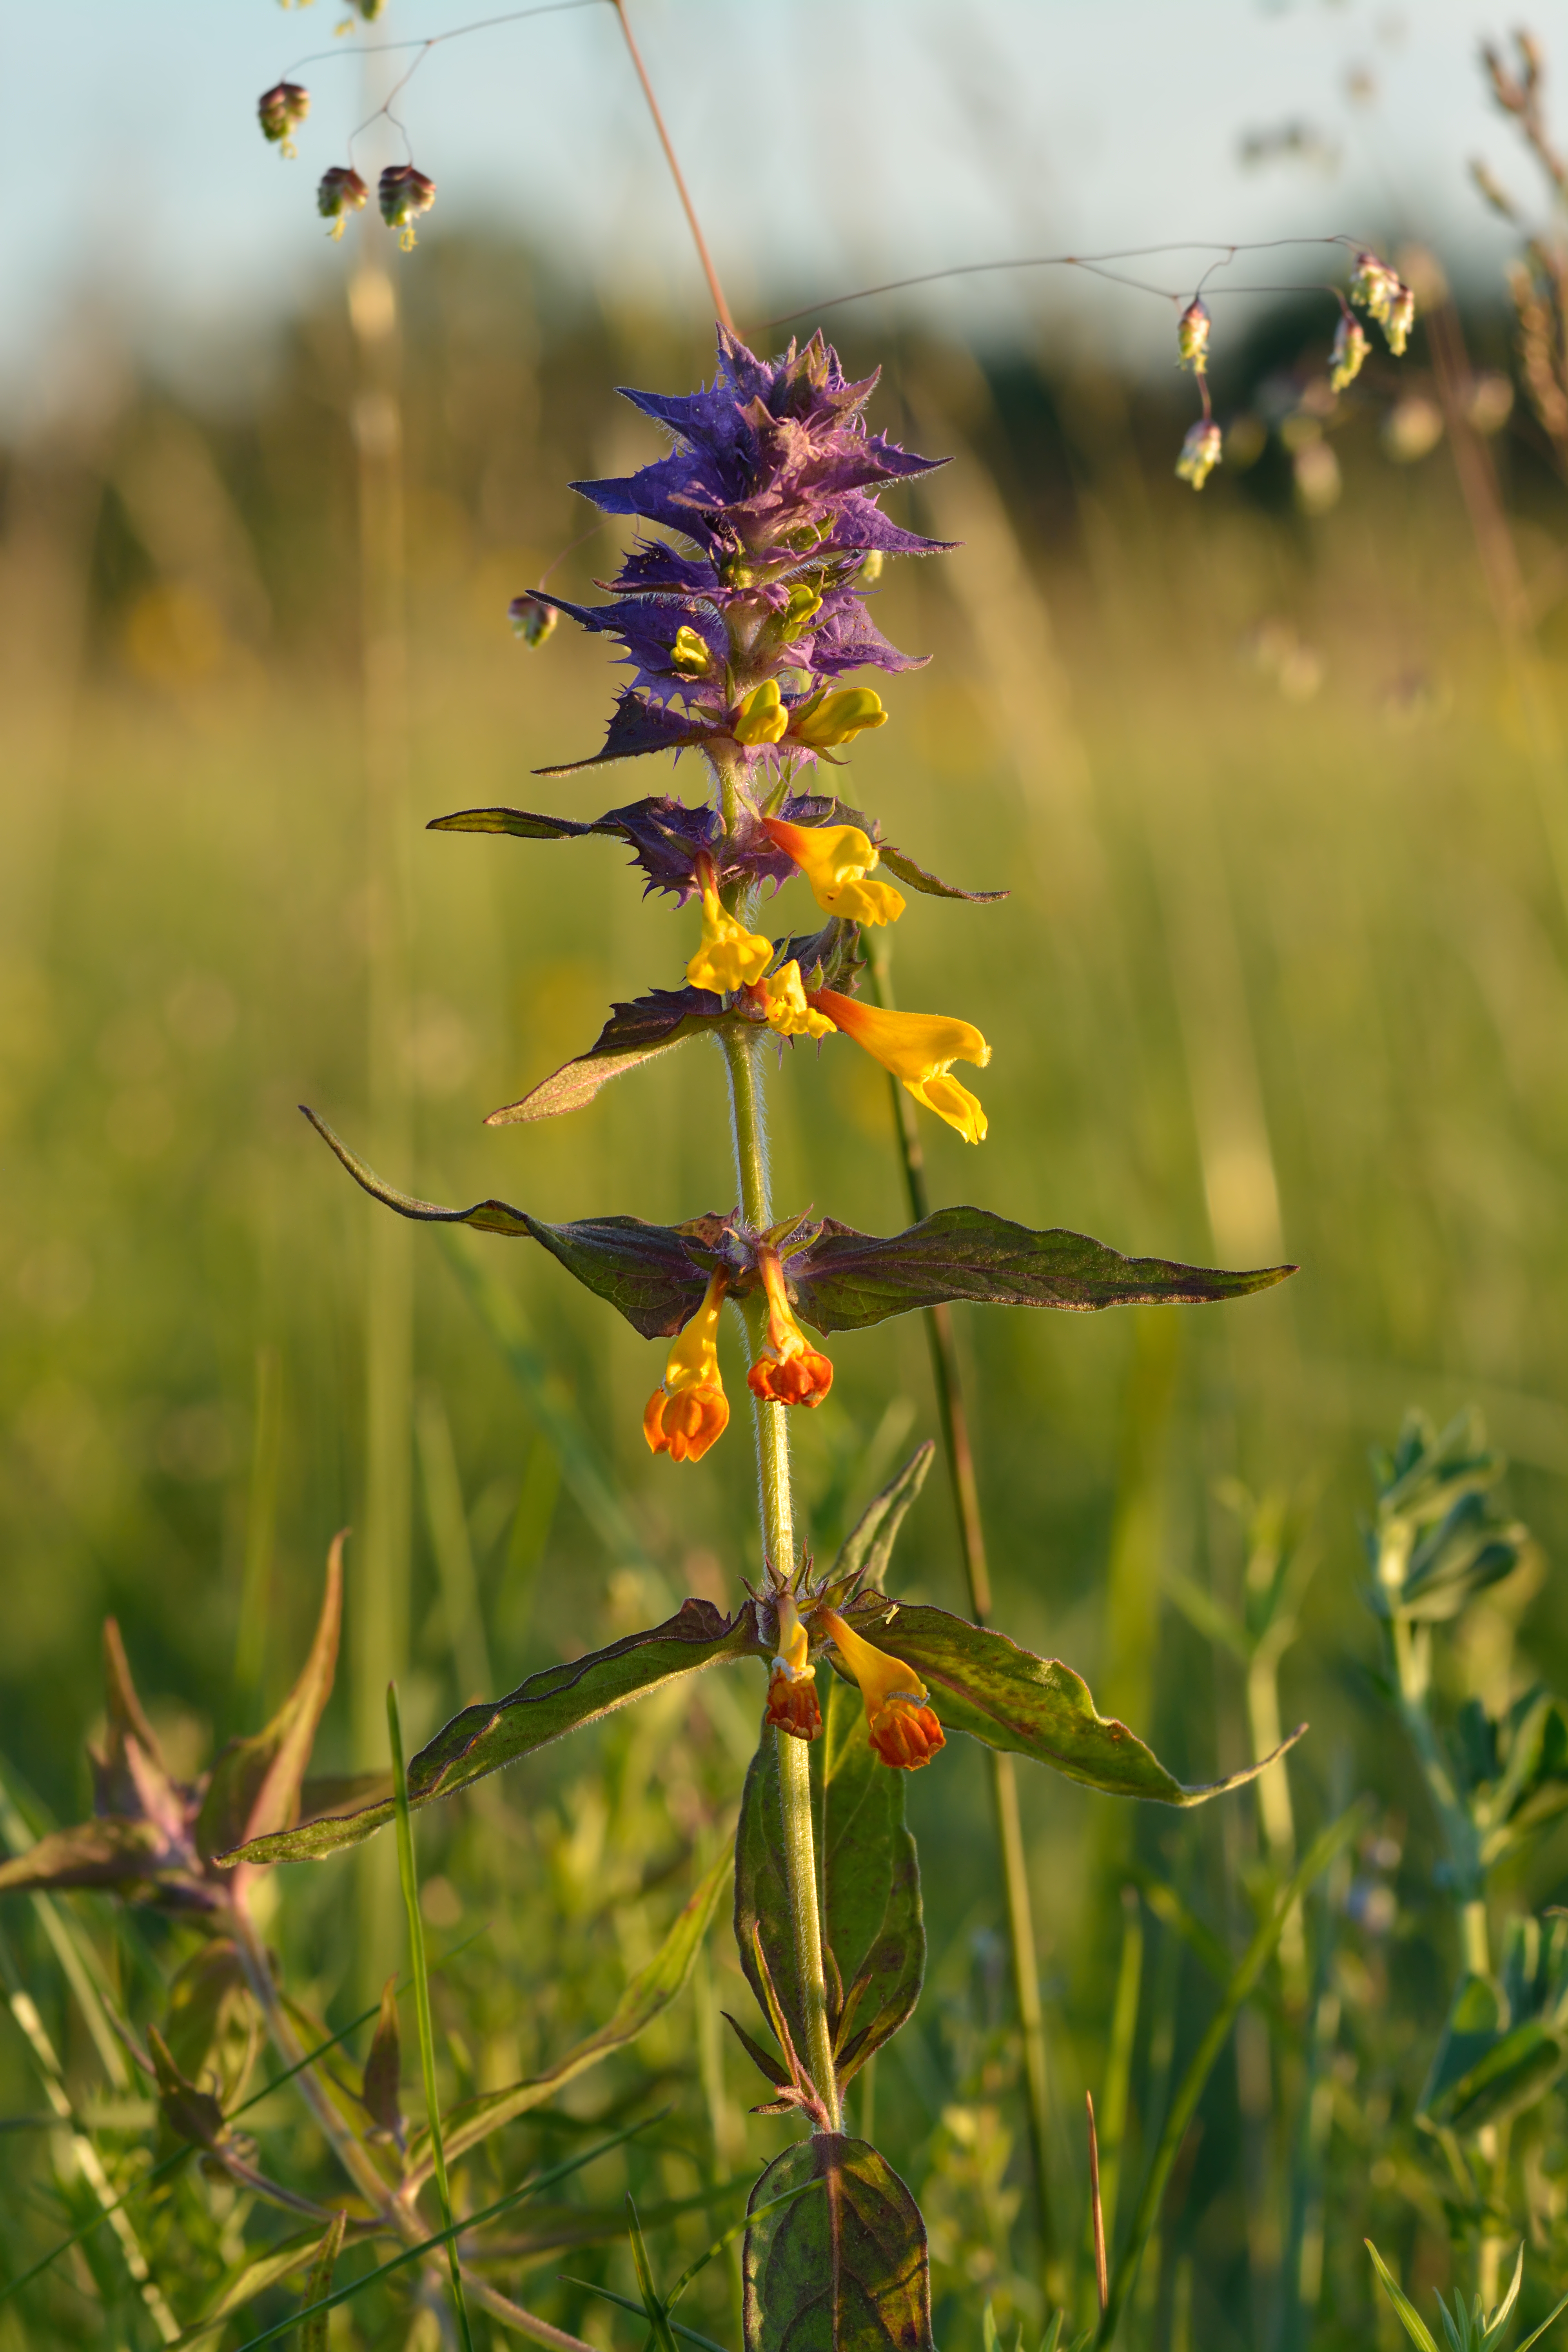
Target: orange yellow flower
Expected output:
[793,1703]
[729,956]
[795,1372]
[688,1411]
[783,1000]
[919,1049]
[902,1729]
[836,860]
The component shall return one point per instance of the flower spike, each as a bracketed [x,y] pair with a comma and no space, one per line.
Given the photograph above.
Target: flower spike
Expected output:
[729,956]
[795,1372]
[836,860]
[902,1729]
[919,1049]
[690,1412]
[793,1703]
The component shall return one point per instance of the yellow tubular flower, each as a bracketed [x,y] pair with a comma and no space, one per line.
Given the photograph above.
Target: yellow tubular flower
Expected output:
[919,1049]
[836,860]
[690,1412]
[762,717]
[793,1703]
[837,718]
[795,1372]
[789,1014]
[729,956]
[902,1729]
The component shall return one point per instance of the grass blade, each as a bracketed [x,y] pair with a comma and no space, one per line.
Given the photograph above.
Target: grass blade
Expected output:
[405,1872]
[1183,2106]
[447,2237]
[313,2333]
[704,2342]
[653,2303]
[1416,2327]
[736,2230]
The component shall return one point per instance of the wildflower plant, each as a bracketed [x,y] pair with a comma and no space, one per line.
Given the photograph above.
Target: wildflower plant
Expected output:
[739,609]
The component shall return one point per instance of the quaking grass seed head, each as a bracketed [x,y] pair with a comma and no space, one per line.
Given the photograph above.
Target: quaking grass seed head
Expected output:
[404,194]
[339,192]
[279,111]
[532,619]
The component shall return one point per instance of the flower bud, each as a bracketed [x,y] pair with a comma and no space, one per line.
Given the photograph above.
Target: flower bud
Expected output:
[1201,453]
[532,618]
[1193,336]
[280,109]
[342,192]
[1349,354]
[837,718]
[403,194]
[688,654]
[871,567]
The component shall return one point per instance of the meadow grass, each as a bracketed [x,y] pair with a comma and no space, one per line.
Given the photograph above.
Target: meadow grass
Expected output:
[1280,974]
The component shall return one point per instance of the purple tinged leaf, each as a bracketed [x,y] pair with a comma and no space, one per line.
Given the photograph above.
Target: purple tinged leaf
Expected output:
[110,1851]
[846,2267]
[193,2115]
[847,1281]
[655,1275]
[256,1783]
[381,2084]
[637,726]
[634,1034]
[665,835]
[497,1732]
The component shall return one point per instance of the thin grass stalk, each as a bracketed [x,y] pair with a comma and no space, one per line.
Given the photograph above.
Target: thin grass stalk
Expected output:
[960,1459]
[1184,2106]
[716,291]
[408,1876]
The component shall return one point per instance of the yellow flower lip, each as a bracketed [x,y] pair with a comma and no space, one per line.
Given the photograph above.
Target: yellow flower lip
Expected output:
[688,1411]
[919,1049]
[785,1003]
[837,718]
[728,956]
[761,717]
[836,860]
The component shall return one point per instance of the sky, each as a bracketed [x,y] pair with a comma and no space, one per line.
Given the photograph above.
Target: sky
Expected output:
[829,145]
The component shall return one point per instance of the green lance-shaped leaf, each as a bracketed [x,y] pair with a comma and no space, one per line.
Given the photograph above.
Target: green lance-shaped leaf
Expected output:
[318,2285]
[866,1549]
[257,1784]
[985,1684]
[843,2272]
[213,2023]
[190,2113]
[847,1281]
[635,1033]
[872,1924]
[647,1997]
[648,1272]
[497,1732]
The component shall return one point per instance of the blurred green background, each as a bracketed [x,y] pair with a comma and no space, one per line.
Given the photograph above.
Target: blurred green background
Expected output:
[1280,974]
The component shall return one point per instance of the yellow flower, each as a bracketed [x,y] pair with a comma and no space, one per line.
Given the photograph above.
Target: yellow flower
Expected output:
[837,718]
[688,654]
[729,956]
[836,860]
[792,1686]
[762,717]
[902,1729]
[784,998]
[795,1372]
[690,1412]
[918,1048]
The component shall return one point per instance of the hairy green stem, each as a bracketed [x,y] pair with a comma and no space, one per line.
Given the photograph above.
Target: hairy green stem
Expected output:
[960,1458]
[748,1115]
